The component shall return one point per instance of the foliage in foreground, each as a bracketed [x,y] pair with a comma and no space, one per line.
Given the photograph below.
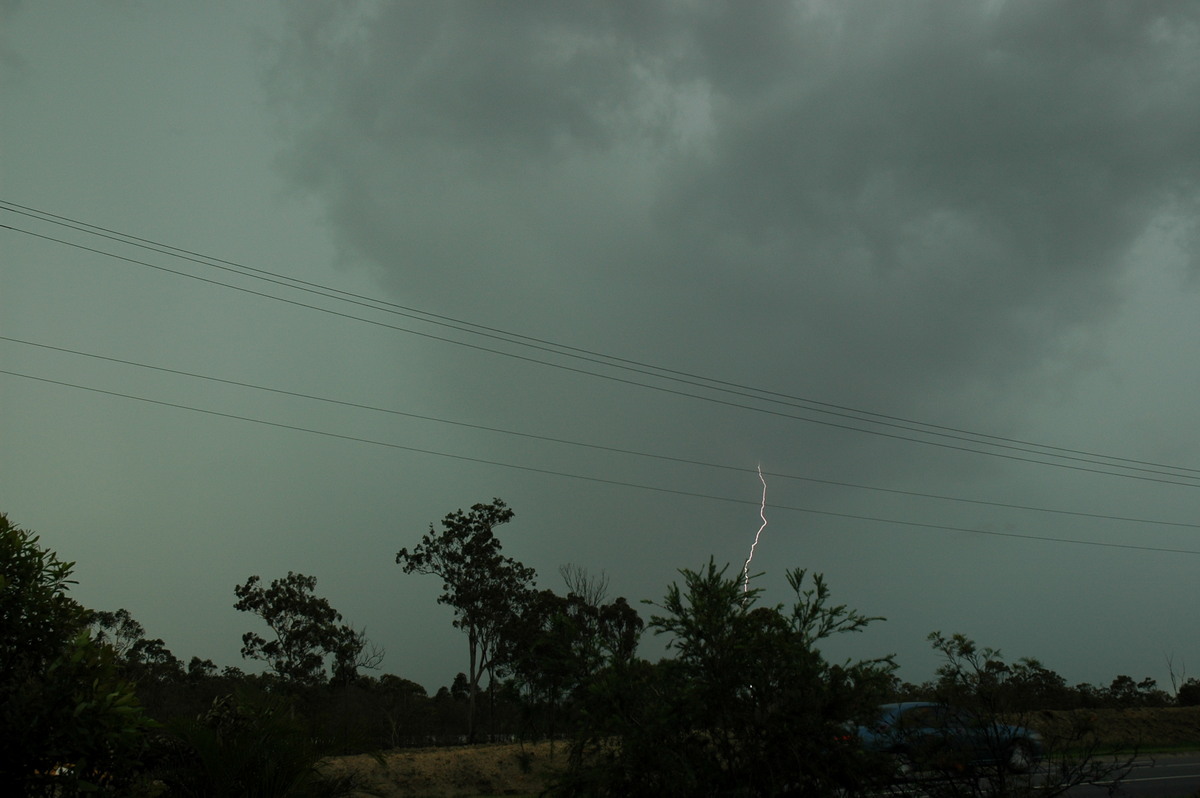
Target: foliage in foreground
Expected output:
[68,723]
[245,746]
[991,696]
[747,706]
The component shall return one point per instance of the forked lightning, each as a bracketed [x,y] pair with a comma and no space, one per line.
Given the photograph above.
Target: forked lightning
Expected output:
[762,513]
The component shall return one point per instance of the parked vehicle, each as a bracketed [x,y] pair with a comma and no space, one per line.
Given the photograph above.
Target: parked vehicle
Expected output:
[926,736]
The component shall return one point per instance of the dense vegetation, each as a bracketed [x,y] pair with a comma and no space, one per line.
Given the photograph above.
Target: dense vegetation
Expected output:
[744,704]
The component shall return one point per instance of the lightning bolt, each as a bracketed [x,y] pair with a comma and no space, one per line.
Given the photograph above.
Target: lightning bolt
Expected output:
[762,513]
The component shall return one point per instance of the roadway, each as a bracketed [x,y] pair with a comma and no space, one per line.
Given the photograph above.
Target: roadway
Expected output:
[1160,776]
[1157,776]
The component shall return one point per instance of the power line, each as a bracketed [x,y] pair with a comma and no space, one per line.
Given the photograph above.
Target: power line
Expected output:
[879,433]
[594,357]
[598,358]
[592,446]
[600,480]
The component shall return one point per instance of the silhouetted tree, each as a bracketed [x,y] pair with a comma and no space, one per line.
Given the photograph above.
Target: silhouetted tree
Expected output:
[593,589]
[556,645]
[306,628]
[198,669]
[403,706]
[140,659]
[1188,694]
[478,581]
[1036,687]
[460,688]
[747,705]
[354,650]
[1124,692]
[987,698]
[118,629]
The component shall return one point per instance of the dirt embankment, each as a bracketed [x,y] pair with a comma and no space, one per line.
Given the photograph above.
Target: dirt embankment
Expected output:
[1169,727]
[503,769]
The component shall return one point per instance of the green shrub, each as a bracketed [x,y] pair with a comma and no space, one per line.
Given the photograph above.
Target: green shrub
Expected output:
[247,745]
[242,746]
[68,723]
[746,706]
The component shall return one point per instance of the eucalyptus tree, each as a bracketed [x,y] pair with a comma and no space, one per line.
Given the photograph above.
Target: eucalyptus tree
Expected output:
[139,658]
[307,630]
[483,586]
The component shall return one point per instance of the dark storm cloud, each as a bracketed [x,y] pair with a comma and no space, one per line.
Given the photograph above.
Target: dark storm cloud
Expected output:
[923,196]
[970,180]
[523,78]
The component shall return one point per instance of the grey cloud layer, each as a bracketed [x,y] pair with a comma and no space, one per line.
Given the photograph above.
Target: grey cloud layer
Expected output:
[909,193]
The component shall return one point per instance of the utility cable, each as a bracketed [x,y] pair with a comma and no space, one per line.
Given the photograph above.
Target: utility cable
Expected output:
[600,480]
[595,446]
[592,356]
[673,391]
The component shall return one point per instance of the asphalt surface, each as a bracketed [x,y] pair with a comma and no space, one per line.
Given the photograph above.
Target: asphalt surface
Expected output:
[1161,776]
[1158,776]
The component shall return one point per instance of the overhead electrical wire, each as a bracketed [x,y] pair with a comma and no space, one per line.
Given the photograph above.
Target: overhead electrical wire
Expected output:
[562,349]
[614,362]
[509,336]
[559,348]
[592,446]
[777,413]
[601,480]
[707,383]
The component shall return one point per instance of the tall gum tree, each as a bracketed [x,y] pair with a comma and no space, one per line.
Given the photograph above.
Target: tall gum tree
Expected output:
[480,583]
[307,631]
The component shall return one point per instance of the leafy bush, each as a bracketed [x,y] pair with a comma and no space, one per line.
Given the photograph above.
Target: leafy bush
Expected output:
[68,723]
[993,694]
[247,745]
[748,705]
[1188,694]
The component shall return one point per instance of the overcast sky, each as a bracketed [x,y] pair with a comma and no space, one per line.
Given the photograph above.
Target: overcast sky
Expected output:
[931,266]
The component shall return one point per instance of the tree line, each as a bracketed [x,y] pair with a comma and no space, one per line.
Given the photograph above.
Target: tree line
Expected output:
[744,703]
